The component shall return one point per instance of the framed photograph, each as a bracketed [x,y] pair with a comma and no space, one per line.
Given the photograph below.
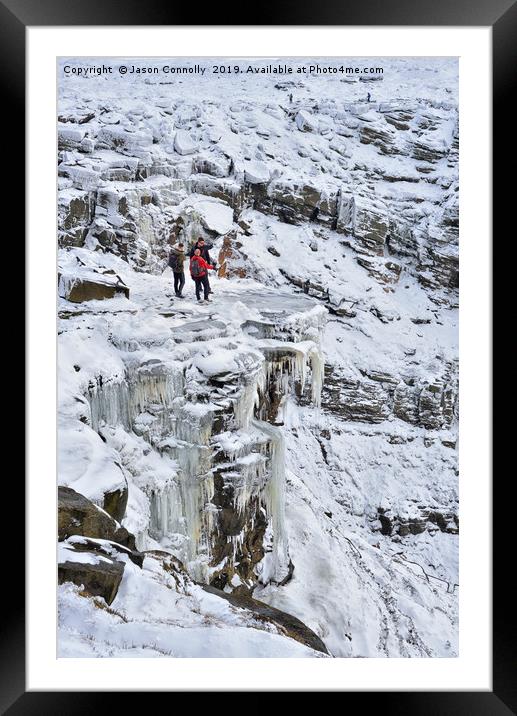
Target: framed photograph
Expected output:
[259,303]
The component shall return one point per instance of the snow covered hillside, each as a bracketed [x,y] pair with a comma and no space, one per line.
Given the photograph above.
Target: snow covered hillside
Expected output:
[273,473]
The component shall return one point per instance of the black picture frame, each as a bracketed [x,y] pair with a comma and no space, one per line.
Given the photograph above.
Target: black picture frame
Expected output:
[501,16]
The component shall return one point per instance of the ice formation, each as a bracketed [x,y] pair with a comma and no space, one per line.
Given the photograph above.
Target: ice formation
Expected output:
[151,401]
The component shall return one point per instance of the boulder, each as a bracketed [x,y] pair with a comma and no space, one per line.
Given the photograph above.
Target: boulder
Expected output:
[95,565]
[306,122]
[117,138]
[338,146]
[104,547]
[115,503]
[183,143]
[70,136]
[91,286]
[228,190]
[81,177]
[97,578]
[79,116]
[79,516]
[256,172]
[215,215]
[87,146]
[216,167]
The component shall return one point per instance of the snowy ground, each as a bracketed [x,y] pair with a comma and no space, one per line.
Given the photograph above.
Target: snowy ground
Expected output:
[366,594]
[153,617]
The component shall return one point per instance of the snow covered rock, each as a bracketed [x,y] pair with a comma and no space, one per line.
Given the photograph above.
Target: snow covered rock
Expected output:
[82,177]
[427,150]
[400,118]
[430,405]
[297,202]
[183,143]
[256,172]
[215,216]
[439,265]
[380,137]
[229,190]
[97,574]
[306,122]
[70,136]
[90,286]
[338,146]
[387,272]
[366,219]
[405,403]
[287,623]
[216,166]
[201,212]
[78,116]
[355,400]
[403,239]
[75,212]
[124,141]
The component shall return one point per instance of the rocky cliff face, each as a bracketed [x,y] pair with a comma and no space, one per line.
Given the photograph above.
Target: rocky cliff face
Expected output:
[295,440]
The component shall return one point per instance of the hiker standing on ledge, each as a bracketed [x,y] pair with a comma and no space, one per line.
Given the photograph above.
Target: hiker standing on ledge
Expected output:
[176,262]
[199,272]
[204,249]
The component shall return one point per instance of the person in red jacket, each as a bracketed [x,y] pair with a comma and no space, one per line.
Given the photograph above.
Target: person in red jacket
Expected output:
[199,272]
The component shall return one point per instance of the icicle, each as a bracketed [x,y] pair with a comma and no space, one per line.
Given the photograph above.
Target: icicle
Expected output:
[248,399]
[279,557]
[119,403]
[317,372]
[180,509]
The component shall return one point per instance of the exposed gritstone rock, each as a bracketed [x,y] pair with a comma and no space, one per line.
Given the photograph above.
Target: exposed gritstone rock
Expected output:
[79,516]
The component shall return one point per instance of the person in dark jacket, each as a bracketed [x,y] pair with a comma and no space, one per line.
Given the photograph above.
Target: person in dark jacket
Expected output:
[199,272]
[176,262]
[204,249]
